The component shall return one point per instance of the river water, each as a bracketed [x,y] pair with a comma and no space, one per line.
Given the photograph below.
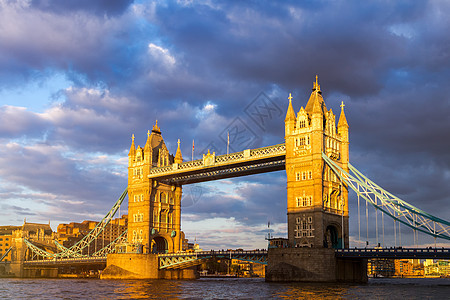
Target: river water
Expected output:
[217,288]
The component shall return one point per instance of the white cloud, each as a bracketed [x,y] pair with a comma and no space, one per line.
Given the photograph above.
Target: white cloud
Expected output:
[162,54]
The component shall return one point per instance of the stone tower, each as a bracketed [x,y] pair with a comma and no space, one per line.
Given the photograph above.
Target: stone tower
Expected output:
[154,215]
[317,202]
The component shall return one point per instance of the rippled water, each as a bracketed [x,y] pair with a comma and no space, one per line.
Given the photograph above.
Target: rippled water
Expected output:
[214,288]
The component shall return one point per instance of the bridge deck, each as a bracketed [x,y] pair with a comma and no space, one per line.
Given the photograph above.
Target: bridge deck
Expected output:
[186,259]
[66,261]
[211,167]
[395,253]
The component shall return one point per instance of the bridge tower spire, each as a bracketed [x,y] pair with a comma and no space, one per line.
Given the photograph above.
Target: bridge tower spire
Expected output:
[317,202]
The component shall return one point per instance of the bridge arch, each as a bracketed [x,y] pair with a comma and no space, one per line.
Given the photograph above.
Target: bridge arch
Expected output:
[162,243]
[333,236]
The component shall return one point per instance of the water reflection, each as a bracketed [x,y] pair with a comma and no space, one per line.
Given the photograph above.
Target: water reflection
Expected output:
[148,289]
[217,288]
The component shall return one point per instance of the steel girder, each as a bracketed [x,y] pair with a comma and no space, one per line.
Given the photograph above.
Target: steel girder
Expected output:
[186,260]
[395,253]
[247,162]
[212,174]
[76,250]
[6,253]
[391,205]
[110,247]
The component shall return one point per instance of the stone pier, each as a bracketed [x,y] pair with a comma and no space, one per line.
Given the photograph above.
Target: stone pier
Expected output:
[313,265]
[142,266]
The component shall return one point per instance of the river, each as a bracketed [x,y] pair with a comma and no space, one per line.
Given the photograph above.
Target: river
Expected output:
[217,288]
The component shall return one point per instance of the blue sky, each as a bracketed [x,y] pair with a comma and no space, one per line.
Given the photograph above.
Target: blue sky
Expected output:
[77,78]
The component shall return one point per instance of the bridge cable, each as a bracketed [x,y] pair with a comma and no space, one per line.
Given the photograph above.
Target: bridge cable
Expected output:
[367,224]
[396,208]
[395,233]
[359,223]
[382,222]
[77,249]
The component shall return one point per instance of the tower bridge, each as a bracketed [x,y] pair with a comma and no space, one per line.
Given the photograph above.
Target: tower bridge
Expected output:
[315,155]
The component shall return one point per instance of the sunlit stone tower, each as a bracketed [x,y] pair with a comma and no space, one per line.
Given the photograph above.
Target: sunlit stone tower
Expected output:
[317,202]
[154,216]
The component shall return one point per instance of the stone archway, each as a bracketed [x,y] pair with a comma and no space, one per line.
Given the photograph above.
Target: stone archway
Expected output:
[332,237]
[159,245]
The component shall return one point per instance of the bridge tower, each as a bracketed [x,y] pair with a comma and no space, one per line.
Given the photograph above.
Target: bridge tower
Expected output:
[154,215]
[317,202]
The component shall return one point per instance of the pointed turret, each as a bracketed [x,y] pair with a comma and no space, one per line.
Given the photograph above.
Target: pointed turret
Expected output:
[343,132]
[342,119]
[289,121]
[132,148]
[156,128]
[290,115]
[315,103]
[147,146]
[178,156]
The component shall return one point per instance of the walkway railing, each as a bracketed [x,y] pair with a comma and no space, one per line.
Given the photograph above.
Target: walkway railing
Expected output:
[187,259]
[395,253]
[210,160]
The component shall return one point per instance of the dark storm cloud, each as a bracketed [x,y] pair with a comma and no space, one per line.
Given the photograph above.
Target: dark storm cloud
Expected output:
[99,6]
[352,45]
[196,66]
[253,201]
[58,180]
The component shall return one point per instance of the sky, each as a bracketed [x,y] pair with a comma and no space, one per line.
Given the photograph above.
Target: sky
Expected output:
[78,78]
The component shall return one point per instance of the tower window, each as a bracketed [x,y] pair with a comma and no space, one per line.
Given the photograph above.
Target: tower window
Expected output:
[304,201]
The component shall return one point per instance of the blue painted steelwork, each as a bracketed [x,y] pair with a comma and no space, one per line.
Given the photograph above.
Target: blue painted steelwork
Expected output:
[67,261]
[76,250]
[395,253]
[6,253]
[391,205]
[188,259]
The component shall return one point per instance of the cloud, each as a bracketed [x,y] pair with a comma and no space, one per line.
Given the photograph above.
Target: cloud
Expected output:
[196,66]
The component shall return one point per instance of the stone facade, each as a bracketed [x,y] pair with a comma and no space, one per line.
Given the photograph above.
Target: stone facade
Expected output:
[142,266]
[317,201]
[313,265]
[154,215]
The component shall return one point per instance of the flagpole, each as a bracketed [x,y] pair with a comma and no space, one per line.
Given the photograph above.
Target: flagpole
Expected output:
[192,149]
[228,142]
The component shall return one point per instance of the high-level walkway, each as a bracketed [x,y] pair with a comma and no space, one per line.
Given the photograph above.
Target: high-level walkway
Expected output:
[212,167]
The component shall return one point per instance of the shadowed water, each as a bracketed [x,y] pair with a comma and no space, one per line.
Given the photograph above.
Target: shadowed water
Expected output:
[215,288]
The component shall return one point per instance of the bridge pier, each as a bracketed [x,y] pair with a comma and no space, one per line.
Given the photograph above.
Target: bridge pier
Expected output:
[142,266]
[313,265]
[41,272]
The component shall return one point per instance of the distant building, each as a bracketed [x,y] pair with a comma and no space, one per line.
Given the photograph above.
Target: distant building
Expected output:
[69,234]
[381,267]
[439,268]
[278,243]
[5,240]
[404,267]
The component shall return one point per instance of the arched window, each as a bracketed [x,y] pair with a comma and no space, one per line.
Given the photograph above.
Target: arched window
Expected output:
[163,217]
[163,197]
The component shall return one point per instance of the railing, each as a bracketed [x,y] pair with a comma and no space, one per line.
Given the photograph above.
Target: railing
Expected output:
[215,253]
[395,253]
[188,259]
[55,261]
[220,160]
